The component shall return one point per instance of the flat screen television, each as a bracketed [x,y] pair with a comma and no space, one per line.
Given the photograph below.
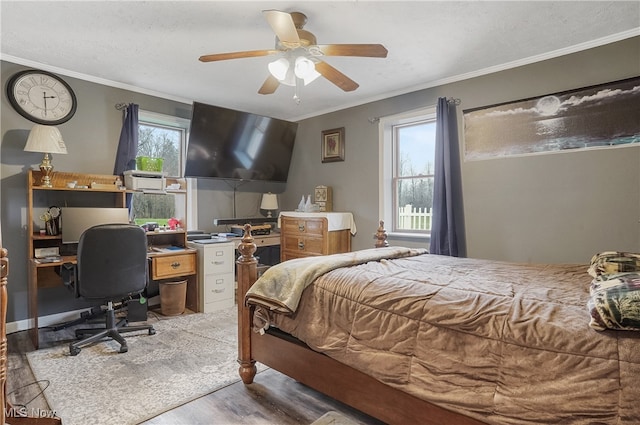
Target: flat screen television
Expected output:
[234,145]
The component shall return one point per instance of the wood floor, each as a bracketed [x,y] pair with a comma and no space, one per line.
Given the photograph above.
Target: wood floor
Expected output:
[272,399]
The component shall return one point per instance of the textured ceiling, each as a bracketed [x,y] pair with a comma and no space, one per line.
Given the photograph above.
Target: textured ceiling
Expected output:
[154,46]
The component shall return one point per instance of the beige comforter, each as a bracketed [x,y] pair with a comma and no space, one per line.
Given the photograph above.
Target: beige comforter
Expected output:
[504,343]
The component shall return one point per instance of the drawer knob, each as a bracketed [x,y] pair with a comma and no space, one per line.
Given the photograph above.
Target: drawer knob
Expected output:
[301,244]
[301,227]
[175,265]
[217,291]
[217,263]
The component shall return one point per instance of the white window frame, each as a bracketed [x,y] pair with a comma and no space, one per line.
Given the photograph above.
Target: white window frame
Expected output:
[387,162]
[162,120]
[185,124]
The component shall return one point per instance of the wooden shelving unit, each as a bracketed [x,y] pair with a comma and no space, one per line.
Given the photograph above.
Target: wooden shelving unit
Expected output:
[163,266]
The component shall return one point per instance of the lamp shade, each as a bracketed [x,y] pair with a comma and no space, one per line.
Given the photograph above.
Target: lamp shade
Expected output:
[46,139]
[306,70]
[269,201]
[279,68]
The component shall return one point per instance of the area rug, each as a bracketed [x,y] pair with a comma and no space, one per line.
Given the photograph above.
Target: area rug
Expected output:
[189,356]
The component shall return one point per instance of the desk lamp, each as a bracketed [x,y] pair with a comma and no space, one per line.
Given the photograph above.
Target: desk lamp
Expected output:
[45,139]
[269,203]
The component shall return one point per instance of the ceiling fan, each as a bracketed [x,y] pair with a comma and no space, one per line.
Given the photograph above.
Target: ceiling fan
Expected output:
[300,61]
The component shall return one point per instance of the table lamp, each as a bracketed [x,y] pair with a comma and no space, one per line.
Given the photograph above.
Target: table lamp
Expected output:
[269,203]
[45,139]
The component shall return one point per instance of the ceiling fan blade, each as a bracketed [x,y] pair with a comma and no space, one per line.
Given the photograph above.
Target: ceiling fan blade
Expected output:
[270,85]
[336,77]
[237,55]
[282,24]
[363,50]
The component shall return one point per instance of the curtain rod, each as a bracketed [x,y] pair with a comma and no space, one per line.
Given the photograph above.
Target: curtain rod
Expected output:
[451,101]
[121,106]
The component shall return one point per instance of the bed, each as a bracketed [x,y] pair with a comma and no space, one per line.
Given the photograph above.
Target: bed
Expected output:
[409,337]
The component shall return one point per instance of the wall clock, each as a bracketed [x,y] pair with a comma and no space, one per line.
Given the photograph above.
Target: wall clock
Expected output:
[41,97]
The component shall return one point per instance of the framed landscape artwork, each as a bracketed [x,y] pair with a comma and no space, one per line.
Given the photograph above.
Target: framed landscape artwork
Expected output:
[599,116]
[333,145]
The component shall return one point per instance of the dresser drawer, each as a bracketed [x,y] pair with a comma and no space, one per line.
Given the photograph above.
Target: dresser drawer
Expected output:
[304,234]
[299,226]
[163,267]
[218,259]
[294,243]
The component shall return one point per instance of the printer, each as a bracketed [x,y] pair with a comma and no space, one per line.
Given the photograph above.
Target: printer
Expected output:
[144,180]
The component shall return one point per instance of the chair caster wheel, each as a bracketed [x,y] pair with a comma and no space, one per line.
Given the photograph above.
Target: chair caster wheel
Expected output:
[124,349]
[152,331]
[74,351]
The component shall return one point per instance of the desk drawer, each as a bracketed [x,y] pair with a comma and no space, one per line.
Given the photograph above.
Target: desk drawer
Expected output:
[163,267]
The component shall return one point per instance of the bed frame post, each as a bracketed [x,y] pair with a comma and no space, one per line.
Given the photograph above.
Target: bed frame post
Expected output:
[247,275]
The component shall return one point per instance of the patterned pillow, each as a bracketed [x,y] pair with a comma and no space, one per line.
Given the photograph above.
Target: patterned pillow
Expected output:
[614,262]
[615,302]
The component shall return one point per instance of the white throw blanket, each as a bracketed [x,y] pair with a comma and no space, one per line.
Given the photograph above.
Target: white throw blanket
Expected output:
[280,287]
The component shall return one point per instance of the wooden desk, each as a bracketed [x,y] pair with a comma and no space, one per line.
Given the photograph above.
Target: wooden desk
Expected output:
[96,190]
[162,266]
[271,239]
[266,247]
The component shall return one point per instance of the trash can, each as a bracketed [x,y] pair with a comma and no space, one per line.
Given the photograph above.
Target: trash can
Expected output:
[173,297]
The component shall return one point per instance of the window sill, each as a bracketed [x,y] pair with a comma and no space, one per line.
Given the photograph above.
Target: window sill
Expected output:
[414,236]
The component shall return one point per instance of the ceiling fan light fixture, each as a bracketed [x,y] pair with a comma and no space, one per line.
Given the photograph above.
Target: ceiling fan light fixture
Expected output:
[300,54]
[279,68]
[312,77]
[305,69]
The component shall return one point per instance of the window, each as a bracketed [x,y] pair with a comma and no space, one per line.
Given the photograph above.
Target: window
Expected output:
[161,136]
[407,146]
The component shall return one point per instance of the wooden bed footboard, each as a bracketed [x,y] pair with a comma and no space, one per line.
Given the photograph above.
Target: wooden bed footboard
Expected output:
[320,372]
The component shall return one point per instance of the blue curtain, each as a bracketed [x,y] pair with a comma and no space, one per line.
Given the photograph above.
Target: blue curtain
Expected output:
[128,146]
[447,228]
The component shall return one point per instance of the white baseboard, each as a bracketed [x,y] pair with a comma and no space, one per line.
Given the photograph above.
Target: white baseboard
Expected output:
[23,325]
[52,319]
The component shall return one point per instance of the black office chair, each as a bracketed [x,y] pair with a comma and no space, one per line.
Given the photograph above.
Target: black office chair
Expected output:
[111,267]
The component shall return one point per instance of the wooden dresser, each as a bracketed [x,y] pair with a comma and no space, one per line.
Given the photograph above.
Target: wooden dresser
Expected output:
[307,234]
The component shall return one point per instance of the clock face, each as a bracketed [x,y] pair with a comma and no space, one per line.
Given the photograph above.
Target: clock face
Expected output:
[41,97]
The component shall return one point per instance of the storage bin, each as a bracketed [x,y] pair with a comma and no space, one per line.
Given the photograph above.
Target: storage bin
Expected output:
[173,297]
[146,163]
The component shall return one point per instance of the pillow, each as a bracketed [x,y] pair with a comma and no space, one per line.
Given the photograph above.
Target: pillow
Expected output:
[614,262]
[615,302]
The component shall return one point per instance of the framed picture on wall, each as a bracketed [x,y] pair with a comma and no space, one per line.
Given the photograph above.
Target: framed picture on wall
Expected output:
[601,116]
[333,145]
